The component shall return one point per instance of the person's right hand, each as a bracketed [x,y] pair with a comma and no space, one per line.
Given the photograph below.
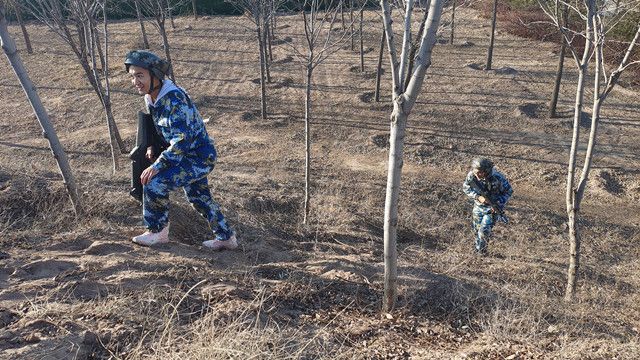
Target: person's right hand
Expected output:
[149,154]
[483,200]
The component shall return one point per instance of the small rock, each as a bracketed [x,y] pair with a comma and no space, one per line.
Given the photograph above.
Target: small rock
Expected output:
[552,329]
[467,44]
[188,27]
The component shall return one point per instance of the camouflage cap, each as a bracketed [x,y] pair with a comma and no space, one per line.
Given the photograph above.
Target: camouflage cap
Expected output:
[147,60]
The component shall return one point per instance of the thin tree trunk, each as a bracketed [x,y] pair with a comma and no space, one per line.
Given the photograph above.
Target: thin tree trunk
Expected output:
[353,46]
[556,85]
[10,50]
[379,69]
[265,49]
[571,200]
[25,34]
[453,20]
[403,104]
[144,32]
[269,42]
[169,12]
[307,141]
[361,41]
[263,90]
[396,146]
[167,52]
[195,9]
[107,92]
[344,26]
[91,42]
[493,33]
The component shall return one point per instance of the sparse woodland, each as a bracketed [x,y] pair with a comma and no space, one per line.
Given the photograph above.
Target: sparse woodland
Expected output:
[344,131]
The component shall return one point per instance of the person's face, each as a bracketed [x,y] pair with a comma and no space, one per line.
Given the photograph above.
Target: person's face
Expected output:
[141,79]
[480,174]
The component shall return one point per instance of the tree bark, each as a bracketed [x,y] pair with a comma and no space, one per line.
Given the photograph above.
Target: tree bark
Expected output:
[10,50]
[307,141]
[379,69]
[493,34]
[144,32]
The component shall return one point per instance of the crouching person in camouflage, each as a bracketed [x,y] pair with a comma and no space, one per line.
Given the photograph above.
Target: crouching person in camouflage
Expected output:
[490,191]
[188,159]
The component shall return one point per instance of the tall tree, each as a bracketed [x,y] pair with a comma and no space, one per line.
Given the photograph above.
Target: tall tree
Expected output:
[404,98]
[598,20]
[320,42]
[9,47]
[83,16]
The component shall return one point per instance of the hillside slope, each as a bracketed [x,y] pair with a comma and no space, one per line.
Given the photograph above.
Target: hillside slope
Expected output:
[78,288]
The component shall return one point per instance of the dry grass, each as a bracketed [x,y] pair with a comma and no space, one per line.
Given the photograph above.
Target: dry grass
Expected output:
[77,288]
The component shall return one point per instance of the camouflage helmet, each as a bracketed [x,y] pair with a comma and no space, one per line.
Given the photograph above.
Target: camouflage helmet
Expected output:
[483,164]
[147,60]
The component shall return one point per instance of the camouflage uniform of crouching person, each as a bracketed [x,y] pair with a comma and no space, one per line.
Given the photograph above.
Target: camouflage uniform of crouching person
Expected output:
[490,191]
[189,158]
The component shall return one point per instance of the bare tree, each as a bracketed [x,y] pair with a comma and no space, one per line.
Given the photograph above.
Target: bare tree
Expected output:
[598,21]
[9,47]
[320,42]
[404,98]
[492,36]
[261,13]
[141,21]
[83,39]
[159,10]
[17,10]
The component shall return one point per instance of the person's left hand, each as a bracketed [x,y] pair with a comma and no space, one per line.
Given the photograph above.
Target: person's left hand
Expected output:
[147,175]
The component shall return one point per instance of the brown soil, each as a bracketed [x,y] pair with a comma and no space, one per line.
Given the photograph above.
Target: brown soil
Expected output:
[78,288]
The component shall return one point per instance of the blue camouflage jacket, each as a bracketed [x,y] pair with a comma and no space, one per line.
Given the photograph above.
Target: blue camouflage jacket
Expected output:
[495,186]
[180,124]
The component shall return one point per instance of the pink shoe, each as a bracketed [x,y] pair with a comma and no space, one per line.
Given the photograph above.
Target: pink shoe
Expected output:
[150,238]
[217,245]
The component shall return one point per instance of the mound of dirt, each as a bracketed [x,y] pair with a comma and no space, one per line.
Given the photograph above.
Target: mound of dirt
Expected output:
[529,110]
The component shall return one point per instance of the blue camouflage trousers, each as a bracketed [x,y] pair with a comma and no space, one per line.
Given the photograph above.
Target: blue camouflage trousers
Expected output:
[483,222]
[191,174]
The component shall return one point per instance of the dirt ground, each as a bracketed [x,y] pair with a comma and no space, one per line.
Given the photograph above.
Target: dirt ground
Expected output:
[78,288]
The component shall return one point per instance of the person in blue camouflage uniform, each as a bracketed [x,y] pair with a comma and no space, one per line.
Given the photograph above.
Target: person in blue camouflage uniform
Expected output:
[490,191]
[188,159]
